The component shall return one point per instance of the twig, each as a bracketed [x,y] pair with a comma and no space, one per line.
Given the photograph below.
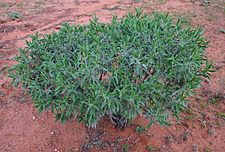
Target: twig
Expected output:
[135,142]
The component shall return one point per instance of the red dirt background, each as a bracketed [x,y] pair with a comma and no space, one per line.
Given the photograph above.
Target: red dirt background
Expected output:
[22,129]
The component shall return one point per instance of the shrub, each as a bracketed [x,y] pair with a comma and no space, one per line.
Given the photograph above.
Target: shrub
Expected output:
[14,15]
[138,64]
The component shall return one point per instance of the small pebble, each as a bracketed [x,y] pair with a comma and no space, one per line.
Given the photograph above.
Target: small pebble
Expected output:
[204,123]
[195,148]
[33,117]
[211,131]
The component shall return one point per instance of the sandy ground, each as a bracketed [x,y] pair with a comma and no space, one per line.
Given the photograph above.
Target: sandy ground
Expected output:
[201,127]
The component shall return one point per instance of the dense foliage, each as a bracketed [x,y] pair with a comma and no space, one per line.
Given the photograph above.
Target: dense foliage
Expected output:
[138,64]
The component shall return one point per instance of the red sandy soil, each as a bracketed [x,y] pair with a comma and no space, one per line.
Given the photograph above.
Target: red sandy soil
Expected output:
[22,129]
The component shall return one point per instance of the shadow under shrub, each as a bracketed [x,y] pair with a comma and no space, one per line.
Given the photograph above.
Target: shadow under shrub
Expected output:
[138,64]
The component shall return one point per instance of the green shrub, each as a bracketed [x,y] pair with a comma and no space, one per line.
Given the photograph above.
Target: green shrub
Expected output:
[14,15]
[138,64]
